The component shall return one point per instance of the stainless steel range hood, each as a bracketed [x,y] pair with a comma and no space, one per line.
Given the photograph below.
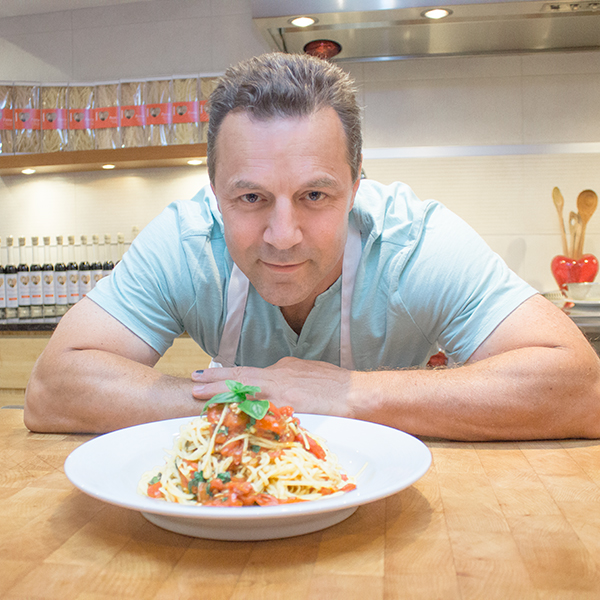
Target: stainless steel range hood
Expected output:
[370,30]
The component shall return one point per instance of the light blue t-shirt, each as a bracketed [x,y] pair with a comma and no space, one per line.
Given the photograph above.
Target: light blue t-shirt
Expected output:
[425,279]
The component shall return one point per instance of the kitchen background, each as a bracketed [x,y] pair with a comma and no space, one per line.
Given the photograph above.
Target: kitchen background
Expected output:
[489,136]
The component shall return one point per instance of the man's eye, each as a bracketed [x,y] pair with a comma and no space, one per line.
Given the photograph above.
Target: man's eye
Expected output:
[314,196]
[250,198]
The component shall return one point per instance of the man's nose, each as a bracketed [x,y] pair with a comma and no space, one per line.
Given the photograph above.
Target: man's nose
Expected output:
[283,228]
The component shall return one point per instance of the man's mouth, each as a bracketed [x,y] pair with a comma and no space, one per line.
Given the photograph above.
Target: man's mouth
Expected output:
[283,267]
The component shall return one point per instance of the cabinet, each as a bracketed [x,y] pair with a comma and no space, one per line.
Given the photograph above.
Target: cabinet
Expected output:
[93,160]
[19,351]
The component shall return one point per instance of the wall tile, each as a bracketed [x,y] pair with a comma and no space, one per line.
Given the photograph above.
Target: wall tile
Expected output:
[443,68]
[55,21]
[36,57]
[144,50]
[149,11]
[234,38]
[561,108]
[557,63]
[438,112]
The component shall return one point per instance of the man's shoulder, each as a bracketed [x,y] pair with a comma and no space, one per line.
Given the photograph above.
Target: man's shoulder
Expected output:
[379,208]
[196,216]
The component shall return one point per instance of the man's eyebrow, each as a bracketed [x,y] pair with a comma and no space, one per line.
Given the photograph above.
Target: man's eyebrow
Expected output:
[321,182]
[244,184]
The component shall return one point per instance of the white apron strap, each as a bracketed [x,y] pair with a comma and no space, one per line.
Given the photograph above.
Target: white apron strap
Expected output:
[352,254]
[237,295]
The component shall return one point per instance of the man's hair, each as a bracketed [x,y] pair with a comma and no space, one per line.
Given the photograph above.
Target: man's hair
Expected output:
[286,85]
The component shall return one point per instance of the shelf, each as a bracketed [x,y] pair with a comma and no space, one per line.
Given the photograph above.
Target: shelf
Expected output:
[92,160]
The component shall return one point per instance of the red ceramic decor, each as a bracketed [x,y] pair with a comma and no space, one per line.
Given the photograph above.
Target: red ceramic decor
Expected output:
[569,270]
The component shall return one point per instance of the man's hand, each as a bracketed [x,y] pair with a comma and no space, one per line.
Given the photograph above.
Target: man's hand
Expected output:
[308,386]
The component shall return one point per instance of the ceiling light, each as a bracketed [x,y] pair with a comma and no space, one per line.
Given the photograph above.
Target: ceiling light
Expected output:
[28,171]
[436,13]
[108,167]
[194,161]
[303,21]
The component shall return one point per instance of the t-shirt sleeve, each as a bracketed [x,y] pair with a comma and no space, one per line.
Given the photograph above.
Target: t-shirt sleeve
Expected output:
[461,289]
[140,292]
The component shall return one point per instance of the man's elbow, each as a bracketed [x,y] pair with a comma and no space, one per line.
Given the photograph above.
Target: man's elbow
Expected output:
[39,415]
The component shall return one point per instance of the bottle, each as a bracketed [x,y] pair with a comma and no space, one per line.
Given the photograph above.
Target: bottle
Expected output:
[24,311]
[72,275]
[36,292]
[85,272]
[96,266]
[12,286]
[61,292]
[2,287]
[120,247]
[108,264]
[48,281]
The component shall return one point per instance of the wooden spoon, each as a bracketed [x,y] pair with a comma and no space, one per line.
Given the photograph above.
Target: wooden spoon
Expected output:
[587,201]
[575,230]
[559,202]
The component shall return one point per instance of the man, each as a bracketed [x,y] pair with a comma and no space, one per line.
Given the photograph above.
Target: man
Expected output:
[318,288]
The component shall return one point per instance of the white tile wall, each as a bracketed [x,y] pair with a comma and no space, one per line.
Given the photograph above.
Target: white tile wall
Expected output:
[539,99]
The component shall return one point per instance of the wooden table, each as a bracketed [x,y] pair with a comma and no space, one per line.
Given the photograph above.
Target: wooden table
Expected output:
[502,520]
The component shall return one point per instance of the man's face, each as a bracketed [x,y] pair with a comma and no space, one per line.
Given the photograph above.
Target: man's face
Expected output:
[284,188]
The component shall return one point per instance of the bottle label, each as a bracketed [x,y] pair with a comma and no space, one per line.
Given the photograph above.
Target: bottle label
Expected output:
[73,286]
[96,276]
[12,292]
[85,283]
[61,291]
[2,290]
[48,287]
[35,289]
[23,289]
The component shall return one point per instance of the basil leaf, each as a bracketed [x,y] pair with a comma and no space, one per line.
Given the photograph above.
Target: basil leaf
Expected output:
[155,479]
[256,409]
[225,477]
[223,398]
[242,390]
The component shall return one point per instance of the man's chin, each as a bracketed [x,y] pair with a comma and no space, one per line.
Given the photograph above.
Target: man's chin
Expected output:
[282,297]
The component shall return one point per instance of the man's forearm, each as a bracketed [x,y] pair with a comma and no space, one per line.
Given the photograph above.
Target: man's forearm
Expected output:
[529,393]
[94,391]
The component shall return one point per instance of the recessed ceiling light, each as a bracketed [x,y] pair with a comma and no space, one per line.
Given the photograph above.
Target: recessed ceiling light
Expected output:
[28,171]
[436,13]
[194,161]
[108,167]
[303,21]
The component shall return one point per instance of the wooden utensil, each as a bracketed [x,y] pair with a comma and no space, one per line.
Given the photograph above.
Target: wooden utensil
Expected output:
[587,201]
[559,203]
[575,231]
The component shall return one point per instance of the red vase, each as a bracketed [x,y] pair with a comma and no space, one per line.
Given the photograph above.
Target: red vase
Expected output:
[569,270]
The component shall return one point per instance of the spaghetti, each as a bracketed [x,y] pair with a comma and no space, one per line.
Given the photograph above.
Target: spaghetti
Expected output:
[227,458]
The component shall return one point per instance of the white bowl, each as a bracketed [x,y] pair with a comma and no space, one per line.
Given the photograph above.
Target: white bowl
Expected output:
[583,291]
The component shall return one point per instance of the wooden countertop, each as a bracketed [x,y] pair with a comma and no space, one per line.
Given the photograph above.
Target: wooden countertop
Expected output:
[489,520]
